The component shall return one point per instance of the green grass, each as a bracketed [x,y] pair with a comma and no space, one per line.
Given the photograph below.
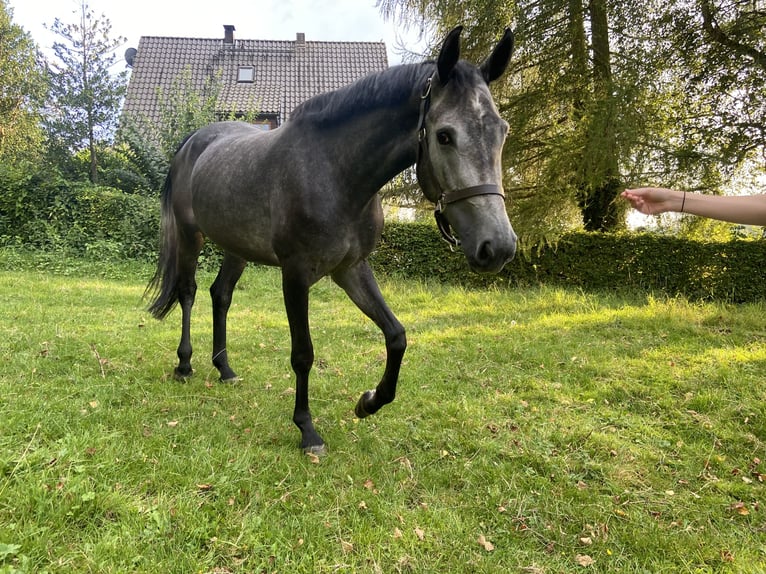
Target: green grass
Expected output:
[558,427]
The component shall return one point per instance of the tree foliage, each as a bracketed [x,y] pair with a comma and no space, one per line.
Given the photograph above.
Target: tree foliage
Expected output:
[85,94]
[603,94]
[721,67]
[22,91]
[184,108]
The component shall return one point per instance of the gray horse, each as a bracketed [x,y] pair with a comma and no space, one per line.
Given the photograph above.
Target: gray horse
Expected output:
[304,197]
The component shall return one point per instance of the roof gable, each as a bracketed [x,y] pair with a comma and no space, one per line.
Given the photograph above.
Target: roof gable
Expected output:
[285,73]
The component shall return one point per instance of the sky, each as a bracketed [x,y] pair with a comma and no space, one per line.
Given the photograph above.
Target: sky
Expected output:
[320,20]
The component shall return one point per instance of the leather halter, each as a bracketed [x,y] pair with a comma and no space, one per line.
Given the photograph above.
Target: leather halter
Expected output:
[455,195]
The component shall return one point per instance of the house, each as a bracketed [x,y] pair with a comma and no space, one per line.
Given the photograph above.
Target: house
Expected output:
[272,77]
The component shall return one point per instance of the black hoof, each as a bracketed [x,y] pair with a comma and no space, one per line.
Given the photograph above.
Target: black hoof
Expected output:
[230,380]
[360,411]
[315,450]
[182,376]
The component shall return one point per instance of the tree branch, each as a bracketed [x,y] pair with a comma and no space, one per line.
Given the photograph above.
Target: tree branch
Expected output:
[714,31]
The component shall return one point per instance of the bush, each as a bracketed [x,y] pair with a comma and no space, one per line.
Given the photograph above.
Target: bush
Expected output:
[44,211]
[727,271]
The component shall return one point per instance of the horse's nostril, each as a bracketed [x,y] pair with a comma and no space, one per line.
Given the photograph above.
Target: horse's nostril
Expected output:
[486,252]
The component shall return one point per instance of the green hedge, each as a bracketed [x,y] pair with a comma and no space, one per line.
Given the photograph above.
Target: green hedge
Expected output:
[728,271]
[45,211]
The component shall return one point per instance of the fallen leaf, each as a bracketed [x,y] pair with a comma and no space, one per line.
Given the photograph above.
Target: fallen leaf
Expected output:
[204,487]
[586,541]
[420,533]
[740,508]
[486,544]
[533,569]
[584,560]
[313,457]
[397,534]
[369,485]
[347,547]
[172,424]
[363,505]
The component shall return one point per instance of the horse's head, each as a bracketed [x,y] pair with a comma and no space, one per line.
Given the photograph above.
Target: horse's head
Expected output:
[459,168]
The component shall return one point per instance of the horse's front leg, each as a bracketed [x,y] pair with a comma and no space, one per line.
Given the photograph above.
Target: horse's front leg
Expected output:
[295,289]
[360,285]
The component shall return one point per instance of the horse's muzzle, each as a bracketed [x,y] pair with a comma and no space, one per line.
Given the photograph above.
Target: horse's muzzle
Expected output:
[491,255]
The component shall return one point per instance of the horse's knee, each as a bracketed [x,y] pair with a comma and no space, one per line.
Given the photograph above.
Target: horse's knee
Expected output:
[221,298]
[397,341]
[302,361]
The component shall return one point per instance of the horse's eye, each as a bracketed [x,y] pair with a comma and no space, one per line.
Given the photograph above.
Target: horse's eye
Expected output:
[443,138]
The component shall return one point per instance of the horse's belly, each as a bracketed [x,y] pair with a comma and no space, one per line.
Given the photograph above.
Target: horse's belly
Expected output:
[240,228]
[251,248]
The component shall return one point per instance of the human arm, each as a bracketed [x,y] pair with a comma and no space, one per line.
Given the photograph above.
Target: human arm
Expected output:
[743,209]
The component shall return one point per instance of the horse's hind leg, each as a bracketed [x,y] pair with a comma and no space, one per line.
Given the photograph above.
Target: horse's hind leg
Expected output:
[187,289]
[221,293]
[360,285]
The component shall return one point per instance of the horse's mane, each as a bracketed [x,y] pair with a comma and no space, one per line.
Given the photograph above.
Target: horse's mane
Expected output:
[390,88]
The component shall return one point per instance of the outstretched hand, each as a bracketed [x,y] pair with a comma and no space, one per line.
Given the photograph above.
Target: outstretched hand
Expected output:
[654,200]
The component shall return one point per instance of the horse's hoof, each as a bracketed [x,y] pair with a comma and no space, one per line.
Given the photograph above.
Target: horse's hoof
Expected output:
[315,450]
[231,380]
[182,377]
[360,411]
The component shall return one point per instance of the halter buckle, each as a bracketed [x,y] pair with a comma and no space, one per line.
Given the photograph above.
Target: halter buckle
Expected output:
[444,227]
[427,90]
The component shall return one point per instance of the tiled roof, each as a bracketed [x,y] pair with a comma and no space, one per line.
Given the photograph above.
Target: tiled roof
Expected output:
[285,72]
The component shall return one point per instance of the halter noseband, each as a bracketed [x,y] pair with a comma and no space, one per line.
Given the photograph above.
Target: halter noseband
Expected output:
[453,196]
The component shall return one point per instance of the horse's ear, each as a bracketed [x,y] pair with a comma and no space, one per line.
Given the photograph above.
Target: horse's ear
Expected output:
[495,65]
[449,55]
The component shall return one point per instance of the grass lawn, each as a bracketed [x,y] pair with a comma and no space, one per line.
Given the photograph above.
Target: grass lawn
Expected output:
[535,431]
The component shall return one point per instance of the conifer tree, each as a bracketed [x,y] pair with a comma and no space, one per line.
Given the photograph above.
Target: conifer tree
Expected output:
[86,90]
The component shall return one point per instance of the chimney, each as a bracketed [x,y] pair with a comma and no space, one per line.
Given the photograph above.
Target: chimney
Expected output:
[228,34]
[300,40]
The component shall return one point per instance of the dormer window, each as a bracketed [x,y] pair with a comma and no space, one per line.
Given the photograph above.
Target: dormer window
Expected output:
[246,74]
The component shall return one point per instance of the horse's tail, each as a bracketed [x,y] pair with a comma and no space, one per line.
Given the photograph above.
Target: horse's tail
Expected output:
[163,287]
